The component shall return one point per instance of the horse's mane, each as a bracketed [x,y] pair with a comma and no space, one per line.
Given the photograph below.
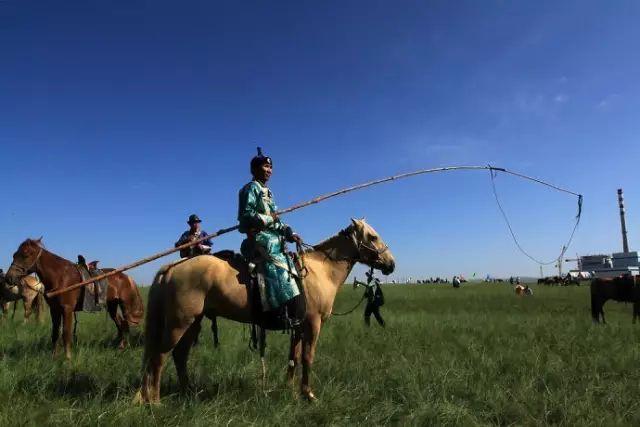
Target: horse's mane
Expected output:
[330,241]
[38,243]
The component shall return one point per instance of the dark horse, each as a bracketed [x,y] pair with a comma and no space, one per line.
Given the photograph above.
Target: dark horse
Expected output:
[58,273]
[623,289]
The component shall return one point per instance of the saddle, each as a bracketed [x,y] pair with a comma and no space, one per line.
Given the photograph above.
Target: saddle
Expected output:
[93,296]
[271,320]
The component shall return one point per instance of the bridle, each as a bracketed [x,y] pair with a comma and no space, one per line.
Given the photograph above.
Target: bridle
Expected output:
[24,271]
[351,234]
[377,252]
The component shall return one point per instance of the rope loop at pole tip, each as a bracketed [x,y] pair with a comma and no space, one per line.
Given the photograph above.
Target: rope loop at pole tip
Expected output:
[508,223]
[580,199]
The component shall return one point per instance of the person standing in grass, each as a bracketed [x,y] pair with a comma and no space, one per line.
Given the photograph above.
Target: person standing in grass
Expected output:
[456,281]
[375,300]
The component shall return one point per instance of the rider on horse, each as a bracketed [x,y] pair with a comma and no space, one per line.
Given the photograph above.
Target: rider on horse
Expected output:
[194,232]
[265,244]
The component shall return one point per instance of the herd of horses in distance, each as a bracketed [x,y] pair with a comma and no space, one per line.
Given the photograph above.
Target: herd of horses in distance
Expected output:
[186,291]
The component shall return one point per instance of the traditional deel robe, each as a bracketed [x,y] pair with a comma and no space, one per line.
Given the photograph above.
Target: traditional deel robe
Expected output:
[266,241]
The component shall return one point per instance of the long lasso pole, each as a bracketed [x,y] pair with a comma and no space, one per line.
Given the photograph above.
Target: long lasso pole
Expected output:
[304,205]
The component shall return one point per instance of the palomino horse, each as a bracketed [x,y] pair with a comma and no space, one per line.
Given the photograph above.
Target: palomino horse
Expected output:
[209,286]
[32,298]
[58,273]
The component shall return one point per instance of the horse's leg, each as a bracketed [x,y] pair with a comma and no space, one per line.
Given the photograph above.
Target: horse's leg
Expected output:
[56,320]
[156,353]
[124,326]
[39,304]
[112,308]
[181,352]
[67,330]
[214,331]
[309,343]
[27,309]
[15,307]
[295,351]
[262,340]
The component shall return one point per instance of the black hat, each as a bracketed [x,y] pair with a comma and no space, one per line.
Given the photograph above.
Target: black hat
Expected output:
[260,160]
[193,218]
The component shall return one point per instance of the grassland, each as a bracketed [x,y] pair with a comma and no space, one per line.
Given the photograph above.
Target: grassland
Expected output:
[472,356]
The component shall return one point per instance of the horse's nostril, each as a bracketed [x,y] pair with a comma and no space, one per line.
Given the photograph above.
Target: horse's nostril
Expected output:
[392,266]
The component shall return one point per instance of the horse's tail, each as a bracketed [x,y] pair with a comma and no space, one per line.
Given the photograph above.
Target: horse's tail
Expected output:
[154,326]
[154,322]
[136,307]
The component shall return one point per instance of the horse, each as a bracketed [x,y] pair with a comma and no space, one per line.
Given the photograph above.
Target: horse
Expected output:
[523,290]
[58,273]
[623,289]
[210,286]
[32,298]
[5,297]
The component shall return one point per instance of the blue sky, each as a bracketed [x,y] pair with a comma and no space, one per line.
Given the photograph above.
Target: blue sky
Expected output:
[119,119]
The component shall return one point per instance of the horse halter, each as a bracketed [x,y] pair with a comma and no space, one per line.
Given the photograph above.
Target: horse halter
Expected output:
[24,271]
[360,245]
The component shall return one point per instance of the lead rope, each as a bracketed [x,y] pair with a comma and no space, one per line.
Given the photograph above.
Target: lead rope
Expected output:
[364,295]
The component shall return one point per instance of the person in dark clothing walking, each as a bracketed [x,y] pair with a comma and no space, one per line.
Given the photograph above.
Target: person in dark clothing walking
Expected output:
[375,300]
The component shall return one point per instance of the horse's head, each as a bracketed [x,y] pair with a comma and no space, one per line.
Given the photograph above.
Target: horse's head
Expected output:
[372,250]
[24,261]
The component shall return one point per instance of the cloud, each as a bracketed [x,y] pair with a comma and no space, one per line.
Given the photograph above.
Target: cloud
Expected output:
[607,102]
[561,98]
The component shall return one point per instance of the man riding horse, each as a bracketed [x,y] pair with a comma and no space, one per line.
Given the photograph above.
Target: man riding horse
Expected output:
[194,232]
[265,245]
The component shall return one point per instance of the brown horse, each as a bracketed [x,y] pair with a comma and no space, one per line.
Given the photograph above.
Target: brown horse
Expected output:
[623,289]
[210,286]
[58,273]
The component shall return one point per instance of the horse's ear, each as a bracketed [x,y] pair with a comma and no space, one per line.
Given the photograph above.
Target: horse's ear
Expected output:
[39,240]
[355,222]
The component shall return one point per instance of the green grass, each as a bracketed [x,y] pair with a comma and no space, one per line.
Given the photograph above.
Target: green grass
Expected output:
[478,355]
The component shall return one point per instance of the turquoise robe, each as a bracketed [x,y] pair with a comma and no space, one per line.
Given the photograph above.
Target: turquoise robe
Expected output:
[254,216]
